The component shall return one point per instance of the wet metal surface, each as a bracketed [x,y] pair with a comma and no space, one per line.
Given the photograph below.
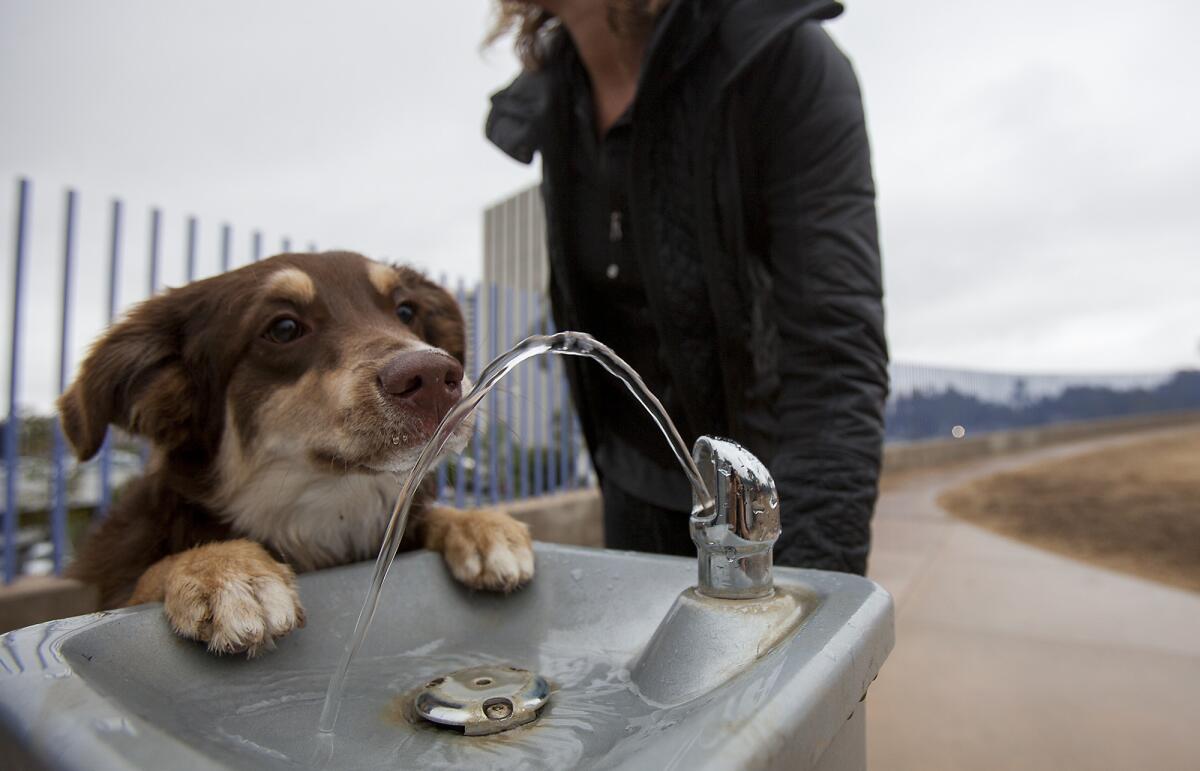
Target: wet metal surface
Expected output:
[120,691]
[735,536]
[483,700]
[705,641]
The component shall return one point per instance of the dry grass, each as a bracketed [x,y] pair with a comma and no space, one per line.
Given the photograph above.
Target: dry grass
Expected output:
[1134,508]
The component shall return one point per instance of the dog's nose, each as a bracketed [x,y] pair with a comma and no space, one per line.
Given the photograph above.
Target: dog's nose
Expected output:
[428,381]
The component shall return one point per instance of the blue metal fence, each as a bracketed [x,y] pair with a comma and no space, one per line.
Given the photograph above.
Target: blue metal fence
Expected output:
[528,441]
[508,458]
[11,427]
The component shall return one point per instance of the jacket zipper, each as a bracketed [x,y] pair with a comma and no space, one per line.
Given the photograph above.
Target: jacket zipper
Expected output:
[614,227]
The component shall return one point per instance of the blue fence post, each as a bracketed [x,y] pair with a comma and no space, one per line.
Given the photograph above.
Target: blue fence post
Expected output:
[542,415]
[114,274]
[512,443]
[191,249]
[286,243]
[564,409]
[577,450]
[256,247]
[554,446]
[526,411]
[152,282]
[572,468]
[476,365]
[12,426]
[440,471]
[58,514]
[460,476]
[493,437]
[226,247]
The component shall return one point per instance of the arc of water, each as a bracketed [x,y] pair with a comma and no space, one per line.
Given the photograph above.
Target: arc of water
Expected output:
[562,343]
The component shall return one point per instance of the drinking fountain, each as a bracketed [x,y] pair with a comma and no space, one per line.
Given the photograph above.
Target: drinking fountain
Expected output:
[607,660]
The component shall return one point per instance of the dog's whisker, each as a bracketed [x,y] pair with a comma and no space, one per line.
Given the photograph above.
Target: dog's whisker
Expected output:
[506,426]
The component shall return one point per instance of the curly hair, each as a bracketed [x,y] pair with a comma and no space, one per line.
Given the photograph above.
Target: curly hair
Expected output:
[534,27]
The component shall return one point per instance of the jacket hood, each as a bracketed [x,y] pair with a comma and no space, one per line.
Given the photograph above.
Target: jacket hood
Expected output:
[518,116]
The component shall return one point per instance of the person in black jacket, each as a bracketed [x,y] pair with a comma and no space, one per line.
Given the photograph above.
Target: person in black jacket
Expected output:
[710,215]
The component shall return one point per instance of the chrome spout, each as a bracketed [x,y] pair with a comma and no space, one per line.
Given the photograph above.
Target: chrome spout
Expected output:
[736,536]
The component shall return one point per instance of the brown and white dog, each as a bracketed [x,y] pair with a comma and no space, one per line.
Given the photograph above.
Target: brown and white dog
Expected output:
[282,401]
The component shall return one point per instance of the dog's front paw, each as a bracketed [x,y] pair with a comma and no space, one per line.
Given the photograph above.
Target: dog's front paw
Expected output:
[484,548]
[232,595]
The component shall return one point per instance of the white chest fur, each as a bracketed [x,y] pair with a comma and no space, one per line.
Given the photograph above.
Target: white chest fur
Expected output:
[313,519]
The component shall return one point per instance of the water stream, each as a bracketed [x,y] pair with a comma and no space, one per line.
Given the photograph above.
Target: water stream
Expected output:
[562,343]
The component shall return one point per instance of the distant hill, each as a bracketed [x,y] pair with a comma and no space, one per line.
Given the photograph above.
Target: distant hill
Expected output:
[923,415]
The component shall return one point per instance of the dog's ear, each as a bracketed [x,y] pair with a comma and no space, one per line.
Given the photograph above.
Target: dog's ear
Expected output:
[133,378]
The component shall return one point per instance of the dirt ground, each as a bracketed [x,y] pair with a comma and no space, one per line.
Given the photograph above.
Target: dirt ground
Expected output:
[1134,508]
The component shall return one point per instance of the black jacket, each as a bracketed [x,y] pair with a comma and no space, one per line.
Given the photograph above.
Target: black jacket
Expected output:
[760,253]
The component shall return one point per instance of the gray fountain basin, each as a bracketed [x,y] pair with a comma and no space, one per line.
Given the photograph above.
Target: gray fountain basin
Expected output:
[117,690]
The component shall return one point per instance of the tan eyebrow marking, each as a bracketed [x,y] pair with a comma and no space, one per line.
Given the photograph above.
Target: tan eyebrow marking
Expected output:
[383,278]
[294,284]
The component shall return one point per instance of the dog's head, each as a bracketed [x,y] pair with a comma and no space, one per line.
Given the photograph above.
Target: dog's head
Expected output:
[329,361]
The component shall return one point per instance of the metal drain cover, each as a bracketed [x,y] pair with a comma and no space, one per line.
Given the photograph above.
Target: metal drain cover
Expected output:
[483,700]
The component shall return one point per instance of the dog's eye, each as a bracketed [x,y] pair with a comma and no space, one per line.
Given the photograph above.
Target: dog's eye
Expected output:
[284,330]
[405,312]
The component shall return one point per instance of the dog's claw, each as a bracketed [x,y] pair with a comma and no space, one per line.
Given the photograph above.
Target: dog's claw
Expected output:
[487,549]
[236,603]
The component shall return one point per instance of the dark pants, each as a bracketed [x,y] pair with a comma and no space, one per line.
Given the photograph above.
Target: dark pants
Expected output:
[631,523]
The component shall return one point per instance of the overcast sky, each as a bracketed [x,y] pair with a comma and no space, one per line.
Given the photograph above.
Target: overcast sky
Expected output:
[1037,162]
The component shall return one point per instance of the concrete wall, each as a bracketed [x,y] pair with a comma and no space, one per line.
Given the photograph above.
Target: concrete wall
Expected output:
[574,518]
[33,600]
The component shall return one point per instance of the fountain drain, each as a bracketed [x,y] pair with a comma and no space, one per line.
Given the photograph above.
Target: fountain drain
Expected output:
[483,700]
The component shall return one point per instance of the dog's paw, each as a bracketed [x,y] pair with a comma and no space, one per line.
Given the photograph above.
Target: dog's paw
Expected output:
[233,596]
[484,548]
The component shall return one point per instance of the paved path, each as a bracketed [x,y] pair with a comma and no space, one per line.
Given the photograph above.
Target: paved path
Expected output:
[1010,657]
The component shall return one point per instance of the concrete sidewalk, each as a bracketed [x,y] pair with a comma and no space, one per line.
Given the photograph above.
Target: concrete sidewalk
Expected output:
[1009,657]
